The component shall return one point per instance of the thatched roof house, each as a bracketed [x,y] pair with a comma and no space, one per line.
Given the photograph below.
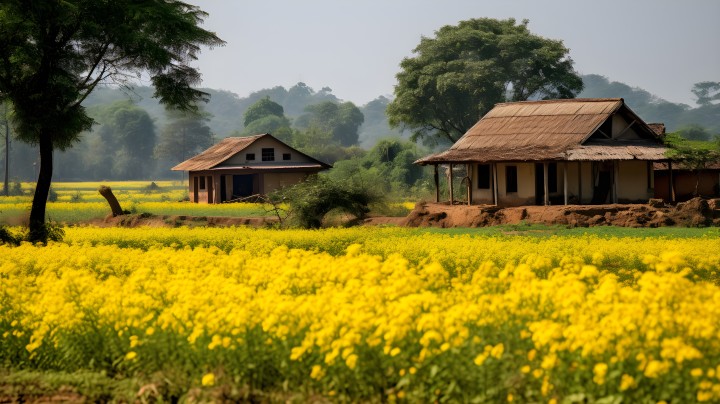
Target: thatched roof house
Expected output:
[557,151]
[238,167]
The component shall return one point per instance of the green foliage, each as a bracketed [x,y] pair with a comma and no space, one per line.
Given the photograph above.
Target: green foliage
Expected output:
[186,135]
[311,200]
[56,53]
[460,74]
[264,107]
[341,121]
[123,145]
[387,168]
[695,132]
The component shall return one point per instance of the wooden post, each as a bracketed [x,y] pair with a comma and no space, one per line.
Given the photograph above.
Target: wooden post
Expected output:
[495,184]
[565,185]
[616,171]
[579,182]
[437,184]
[671,183]
[468,171]
[547,187]
[452,197]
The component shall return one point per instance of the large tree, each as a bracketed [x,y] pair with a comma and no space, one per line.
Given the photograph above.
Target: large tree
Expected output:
[460,74]
[53,54]
[342,121]
[185,135]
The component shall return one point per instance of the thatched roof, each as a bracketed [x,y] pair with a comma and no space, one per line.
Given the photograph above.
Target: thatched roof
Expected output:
[230,146]
[550,130]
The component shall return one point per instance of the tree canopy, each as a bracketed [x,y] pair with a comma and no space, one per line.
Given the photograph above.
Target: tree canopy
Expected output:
[460,74]
[342,120]
[53,54]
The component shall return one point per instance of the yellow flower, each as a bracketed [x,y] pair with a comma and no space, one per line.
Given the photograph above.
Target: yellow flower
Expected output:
[497,351]
[696,372]
[599,372]
[208,379]
[130,355]
[627,382]
[317,372]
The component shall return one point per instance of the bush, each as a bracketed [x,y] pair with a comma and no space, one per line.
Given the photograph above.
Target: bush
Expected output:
[311,200]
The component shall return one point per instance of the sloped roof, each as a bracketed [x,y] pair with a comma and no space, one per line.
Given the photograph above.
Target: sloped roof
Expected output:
[227,148]
[548,130]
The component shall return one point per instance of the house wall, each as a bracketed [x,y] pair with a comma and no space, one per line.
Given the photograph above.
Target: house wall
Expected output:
[481,196]
[278,180]
[202,193]
[684,182]
[525,194]
[632,183]
[256,147]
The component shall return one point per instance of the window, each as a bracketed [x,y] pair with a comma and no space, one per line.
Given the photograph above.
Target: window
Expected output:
[511,184]
[202,182]
[268,154]
[250,156]
[483,176]
[552,177]
[286,156]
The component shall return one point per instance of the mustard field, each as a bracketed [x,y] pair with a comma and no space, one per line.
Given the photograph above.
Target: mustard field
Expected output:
[371,314]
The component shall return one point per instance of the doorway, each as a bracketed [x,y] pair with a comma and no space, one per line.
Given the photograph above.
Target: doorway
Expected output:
[242,185]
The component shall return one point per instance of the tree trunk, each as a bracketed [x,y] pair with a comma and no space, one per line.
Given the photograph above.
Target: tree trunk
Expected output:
[38,231]
[6,184]
[107,193]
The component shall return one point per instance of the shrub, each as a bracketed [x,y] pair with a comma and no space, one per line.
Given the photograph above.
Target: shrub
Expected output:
[311,200]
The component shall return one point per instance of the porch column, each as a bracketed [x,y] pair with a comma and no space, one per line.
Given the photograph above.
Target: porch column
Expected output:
[671,182]
[579,182]
[452,197]
[468,171]
[545,184]
[616,171]
[565,187]
[495,183]
[437,184]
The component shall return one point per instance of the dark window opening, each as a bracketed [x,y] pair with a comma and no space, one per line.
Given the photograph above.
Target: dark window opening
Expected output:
[268,154]
[202,182]
[511,184]
[483,176]
[286,156]
[552,177]
[250,156]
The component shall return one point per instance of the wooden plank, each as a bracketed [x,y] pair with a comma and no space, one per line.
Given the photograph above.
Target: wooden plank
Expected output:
[495,184]
[565,185]
[437,184]
[579,182]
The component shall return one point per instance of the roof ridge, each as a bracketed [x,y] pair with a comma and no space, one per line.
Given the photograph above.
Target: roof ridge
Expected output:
[559,100]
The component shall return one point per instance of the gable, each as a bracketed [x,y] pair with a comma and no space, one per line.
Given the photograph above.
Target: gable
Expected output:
[280,151]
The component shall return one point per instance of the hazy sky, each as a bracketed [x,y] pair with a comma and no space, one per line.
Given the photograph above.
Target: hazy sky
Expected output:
[355,47]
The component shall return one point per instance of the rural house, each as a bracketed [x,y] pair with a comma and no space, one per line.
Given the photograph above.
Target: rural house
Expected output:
[238,167]
[574,151]
[686,183]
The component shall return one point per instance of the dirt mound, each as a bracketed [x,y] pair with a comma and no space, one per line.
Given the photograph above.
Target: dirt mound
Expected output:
[695,212]
[149,220]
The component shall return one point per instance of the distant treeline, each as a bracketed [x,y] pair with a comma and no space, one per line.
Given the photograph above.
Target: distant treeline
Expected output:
[136,138]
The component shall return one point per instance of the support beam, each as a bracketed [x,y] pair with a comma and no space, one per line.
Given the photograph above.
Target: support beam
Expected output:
[565,184]
[616,171]
[671,182]
[437,184]
[545,184]
[468,171]
[625,130]
[579,182]
[495,183]
[450,182]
